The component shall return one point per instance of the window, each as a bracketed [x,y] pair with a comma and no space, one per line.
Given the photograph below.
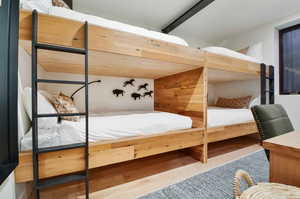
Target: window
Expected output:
[9,15]
[289,57]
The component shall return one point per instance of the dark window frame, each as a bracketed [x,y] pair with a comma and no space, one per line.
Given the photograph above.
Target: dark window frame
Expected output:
[9,36]
[281,66]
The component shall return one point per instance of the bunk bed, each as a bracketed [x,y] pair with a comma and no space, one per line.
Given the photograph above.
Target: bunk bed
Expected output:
[181,75]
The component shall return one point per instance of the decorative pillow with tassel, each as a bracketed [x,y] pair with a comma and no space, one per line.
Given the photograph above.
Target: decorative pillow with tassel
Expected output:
[64,104]
[60,3]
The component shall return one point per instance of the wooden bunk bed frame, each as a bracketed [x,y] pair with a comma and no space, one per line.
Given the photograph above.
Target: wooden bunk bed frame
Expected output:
[180,78]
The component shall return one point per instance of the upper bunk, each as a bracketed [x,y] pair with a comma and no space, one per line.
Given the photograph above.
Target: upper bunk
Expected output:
[118,53]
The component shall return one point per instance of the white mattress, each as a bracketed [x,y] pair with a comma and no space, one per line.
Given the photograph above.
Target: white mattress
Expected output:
[98,21]
[230,53]
[109,127]
[217,116]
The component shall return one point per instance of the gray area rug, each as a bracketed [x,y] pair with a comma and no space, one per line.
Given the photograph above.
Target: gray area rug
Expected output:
[216,183]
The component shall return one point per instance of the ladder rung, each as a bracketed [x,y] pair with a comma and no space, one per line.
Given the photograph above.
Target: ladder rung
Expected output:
[59,81]
[60,48]
[61,115]
[60,148]
[60,180]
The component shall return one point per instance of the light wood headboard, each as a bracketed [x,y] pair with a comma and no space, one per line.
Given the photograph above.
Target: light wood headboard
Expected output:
[184,93]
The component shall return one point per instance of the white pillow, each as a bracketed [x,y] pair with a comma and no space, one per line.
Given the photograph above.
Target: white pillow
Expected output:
[41,6]
[66,13]
[256,51]
[46,3]
[44,107]
[23,119]
[254,101]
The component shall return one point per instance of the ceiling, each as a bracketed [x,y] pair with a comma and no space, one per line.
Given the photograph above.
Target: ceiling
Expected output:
[218,21]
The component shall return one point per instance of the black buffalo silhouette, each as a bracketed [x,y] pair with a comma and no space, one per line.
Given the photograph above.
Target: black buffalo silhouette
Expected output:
[148,94]
[136,96]
[143,86]
[118,92]
[129,82]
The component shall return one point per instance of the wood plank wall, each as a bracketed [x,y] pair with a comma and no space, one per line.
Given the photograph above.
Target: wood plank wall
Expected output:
[184,93]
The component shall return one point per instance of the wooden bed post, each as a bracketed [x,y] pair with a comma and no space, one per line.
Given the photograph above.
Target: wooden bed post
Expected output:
[186,94]
[201,152]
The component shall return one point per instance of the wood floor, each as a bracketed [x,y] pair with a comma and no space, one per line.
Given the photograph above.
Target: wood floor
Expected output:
[138,177]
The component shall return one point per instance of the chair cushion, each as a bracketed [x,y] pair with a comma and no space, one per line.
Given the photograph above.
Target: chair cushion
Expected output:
[272,120]
[271,191]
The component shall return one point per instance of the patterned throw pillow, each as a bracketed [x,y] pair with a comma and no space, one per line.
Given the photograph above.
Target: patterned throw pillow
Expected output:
[60,3]
[64,104]
[241,102]
[244,50]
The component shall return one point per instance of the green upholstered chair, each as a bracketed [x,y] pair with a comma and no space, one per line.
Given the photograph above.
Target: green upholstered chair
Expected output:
[272,120]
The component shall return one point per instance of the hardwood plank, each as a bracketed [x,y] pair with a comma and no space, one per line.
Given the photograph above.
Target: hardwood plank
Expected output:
[284,168]
[287,143]
[226,132]
[284,158]
[111,156]
[216,76]
[116,49]
[183,93]
[121,53]
[226,63]
[151,173]
[106,153]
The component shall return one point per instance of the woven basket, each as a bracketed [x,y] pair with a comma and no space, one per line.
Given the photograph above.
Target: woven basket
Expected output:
[263,190]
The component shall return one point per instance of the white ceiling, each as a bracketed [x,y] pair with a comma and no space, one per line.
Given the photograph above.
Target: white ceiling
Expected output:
[218,21]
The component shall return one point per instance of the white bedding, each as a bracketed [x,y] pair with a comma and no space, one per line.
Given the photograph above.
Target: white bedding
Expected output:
[217,116]
[109,127]
[230,53]
[98,21]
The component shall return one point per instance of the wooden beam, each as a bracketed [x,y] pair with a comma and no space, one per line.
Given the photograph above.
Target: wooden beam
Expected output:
[122,54]
[188,14]
[216,134]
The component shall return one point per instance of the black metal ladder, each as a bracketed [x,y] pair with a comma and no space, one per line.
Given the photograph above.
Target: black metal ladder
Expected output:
[39,184]
[267,79]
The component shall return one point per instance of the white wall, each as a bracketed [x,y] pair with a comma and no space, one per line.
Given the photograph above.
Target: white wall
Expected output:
[268,35]
[101,97]
[211,95]
[237,89]
[100,94]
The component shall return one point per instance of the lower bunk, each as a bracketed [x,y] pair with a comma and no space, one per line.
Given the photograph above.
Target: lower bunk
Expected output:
[227,123]
[108,152]
[221,133]
[103,153]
